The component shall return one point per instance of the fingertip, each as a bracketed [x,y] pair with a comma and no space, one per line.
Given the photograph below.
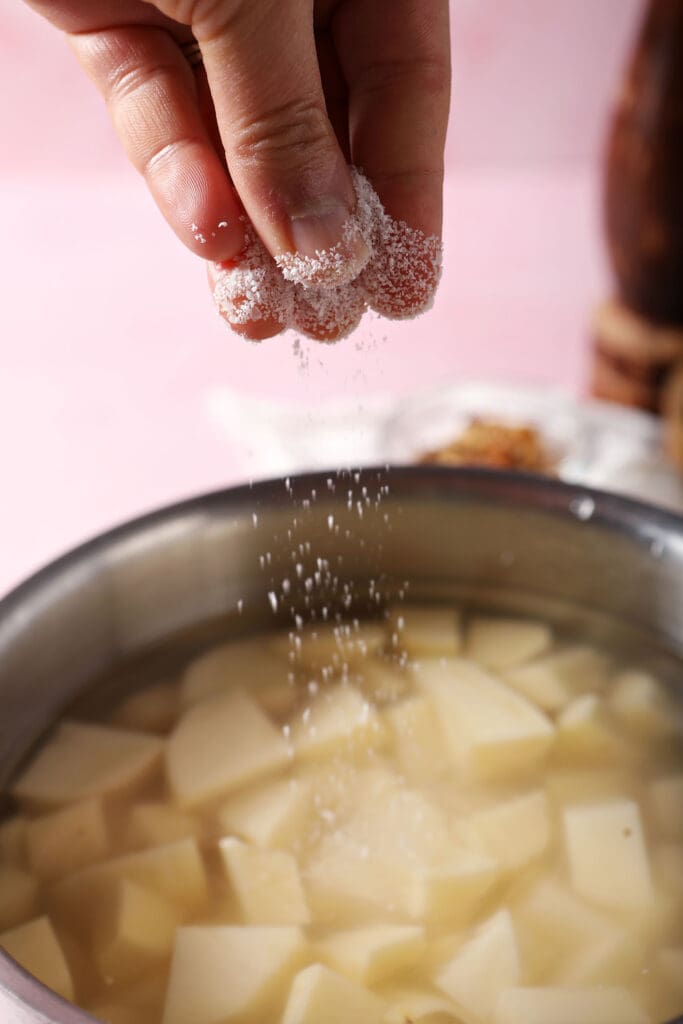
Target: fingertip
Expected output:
[251,314]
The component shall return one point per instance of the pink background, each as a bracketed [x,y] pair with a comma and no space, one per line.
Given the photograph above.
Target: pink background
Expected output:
[109,347]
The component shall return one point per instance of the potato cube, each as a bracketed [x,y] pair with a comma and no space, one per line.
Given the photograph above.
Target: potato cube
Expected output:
[643,706]
[586,784]
[67,839]
[500,644]
[381,681]
[158,823]
[319,994]
[666,804]
[220,744]
[514,832]
[585,733]
[229,974]
[266,883]
[563,937]
[274,814]
[18,896]
[490,730]
[35,946]
[451,890]
[424,630]
[231,666]
[613,960]
[339,719]
[553,681]
[568,1006]
[134,930]
[153,709]
[81,760]
[13,841]
[418,741]
[174,871]
[485,965]
[334,647]
[608,860]
[371,955]
[669,967]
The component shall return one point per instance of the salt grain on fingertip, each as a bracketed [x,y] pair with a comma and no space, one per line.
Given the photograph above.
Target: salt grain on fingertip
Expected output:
[395,272]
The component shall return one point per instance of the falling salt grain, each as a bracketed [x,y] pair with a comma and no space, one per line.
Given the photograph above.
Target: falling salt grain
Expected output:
[272,597]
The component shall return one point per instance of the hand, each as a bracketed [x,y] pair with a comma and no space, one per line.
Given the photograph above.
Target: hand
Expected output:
[289,93]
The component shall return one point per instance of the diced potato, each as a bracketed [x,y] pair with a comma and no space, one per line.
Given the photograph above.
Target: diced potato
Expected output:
[608,860]
[18,896]
[410,1006]
[231,975]
[134,930]
[235,665]
[585,732]
[425,630]
[153,709]
[174,871]
[337,719]
[13,841]
[81,760]
[490,730]
[553,681]
[279,698]
[418,741]
[157,823]
[220,744]
[371,955]
[666,804]
[451,890]
[67,839]
[266,883]
[35,946]
[274,814]
[319,994]
[612,960]
[483,967]
[563,937]
[500,644]
[568,1006]
[642,705]
[330,646]
[515,831]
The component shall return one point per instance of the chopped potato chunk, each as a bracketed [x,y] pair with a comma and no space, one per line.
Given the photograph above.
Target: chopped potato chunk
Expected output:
[266,882]
[490,729]
[272,814]
[134,930]
[231,975]
[425,630]
[339,718]
[642,704]
[515,831]
[232,666]
[554,680]
[67,839]
[608,860]
[157,823]
[154,709]
[319,994]
[81,760]
[331,647]
[373,954]
[35,946]
[500,644]
[419,742]
[220,744]
[483,967]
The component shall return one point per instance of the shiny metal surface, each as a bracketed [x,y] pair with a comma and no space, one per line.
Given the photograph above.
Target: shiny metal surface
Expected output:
[585,560]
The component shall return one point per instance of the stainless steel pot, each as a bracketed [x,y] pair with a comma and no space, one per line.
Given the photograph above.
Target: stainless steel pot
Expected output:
[590,561]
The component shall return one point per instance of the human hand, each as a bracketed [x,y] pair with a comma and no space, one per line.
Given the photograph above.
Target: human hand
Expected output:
[289,93]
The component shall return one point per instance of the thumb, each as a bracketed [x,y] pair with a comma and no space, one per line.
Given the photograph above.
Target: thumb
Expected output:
[281,149]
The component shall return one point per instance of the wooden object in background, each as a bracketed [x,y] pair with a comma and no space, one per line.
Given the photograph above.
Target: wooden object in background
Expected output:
[639,335]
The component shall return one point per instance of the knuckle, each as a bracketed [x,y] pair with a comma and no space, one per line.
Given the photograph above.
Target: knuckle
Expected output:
[431,75]
[285,135]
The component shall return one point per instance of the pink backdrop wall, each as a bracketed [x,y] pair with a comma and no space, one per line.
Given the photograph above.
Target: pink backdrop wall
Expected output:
[110,350]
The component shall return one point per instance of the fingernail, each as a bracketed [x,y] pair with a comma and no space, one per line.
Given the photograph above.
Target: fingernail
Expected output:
[328,248]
